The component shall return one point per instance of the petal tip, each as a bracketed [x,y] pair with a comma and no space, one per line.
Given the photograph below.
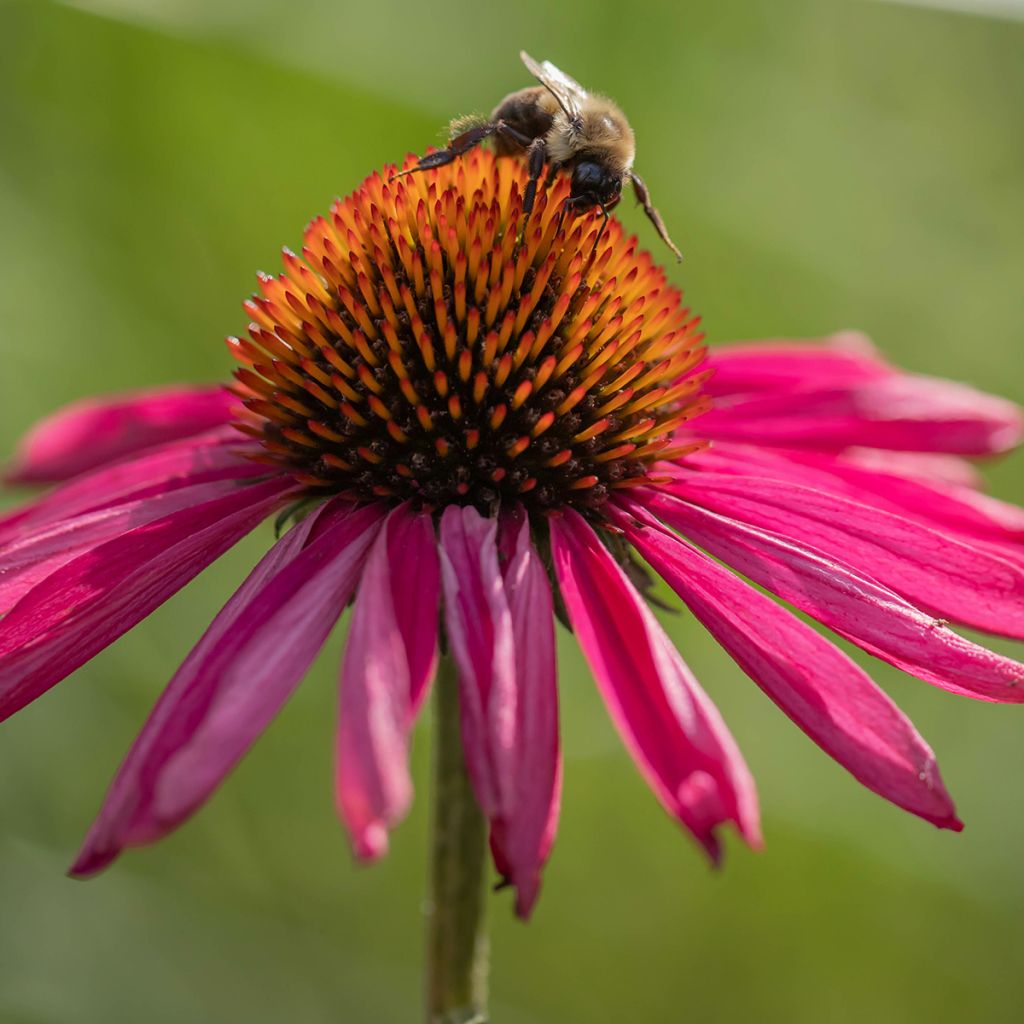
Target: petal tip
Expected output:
[370,844]
[90,862]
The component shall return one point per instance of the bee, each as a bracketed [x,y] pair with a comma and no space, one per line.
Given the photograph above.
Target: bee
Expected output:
[561,125]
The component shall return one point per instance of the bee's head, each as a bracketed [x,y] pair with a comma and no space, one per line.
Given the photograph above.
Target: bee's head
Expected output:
[593,184]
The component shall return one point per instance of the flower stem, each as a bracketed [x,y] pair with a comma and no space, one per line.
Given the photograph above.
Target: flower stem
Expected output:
[457,949]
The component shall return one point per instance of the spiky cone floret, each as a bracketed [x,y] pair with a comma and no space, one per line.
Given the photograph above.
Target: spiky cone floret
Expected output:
[428,345]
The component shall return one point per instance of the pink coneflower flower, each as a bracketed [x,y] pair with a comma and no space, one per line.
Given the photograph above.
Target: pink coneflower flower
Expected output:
[470,422]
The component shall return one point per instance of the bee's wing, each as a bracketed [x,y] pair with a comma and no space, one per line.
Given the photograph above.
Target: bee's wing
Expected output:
[566,90]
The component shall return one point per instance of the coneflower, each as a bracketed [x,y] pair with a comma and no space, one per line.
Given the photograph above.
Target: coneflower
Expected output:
[465,422]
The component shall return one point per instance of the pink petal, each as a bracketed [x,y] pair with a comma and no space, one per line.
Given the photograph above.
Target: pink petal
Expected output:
[669,724]
[522,838]
[938,573]
[479,626]
[926,466]
[933,502]
[853,605]
[88,603]
[43,549]
[501,631]
[416,592]
[389,662]
[815,684]
[901,412]
[94,431]
[211,456]
[234,681]
[841,360]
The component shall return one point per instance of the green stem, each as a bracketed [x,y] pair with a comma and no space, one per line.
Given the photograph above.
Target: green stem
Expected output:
[457,953]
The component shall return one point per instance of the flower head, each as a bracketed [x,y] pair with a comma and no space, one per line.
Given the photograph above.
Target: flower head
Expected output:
[431,346]
[471,421]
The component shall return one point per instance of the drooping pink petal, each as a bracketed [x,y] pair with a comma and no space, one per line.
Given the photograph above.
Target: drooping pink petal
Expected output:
[840,361]
[214,455]
[42,549]
[853,605]
[234,682]
[479,626]
[949,577]
[523,836]
[501,631]
[416,592]
[390,658]
[87,604]
[95,431]
[935,502]
[813,682]
[669,724]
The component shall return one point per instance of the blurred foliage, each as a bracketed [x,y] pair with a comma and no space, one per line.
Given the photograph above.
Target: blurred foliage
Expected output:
[824,165]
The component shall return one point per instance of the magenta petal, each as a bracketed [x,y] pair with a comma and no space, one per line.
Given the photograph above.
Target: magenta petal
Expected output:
[523,836]
[215,455]
[233,683]
[479,626]
[44,549]
[95,431]
[948,577]
[854,606]
[841,361]
[669,724]
[901,412]
[813,682]
[501,631]
[389,662]
[87,604]
[415,572]
[937,502]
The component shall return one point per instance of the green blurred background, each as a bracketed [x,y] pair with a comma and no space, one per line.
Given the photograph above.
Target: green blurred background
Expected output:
[823,165]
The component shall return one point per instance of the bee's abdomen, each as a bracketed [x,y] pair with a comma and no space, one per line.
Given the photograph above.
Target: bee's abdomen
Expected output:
[525,112]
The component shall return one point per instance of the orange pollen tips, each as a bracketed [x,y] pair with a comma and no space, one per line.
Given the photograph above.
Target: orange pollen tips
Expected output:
[430,345]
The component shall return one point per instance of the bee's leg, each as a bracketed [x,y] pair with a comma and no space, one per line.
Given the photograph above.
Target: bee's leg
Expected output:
[536,156]
[571,204]
[549,178]
[456,147]
[600,232]
[652,214]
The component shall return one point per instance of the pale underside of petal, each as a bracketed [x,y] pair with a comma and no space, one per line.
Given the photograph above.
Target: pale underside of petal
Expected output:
[523,836]
[389,661]
[479,627]
[501,631]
